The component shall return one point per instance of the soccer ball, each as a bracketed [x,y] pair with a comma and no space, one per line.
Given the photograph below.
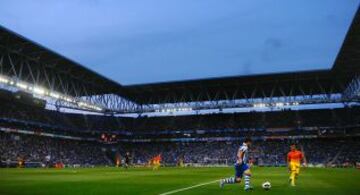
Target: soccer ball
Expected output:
[266,185]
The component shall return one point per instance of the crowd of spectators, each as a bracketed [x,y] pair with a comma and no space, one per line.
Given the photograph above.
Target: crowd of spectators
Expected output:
[33,148]
[267,153]
[49,151]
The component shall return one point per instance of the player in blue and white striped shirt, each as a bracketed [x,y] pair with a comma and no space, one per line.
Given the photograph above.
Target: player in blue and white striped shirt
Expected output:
[242,169]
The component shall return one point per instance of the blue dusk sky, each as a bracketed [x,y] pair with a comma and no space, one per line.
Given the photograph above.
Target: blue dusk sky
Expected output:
[147,41]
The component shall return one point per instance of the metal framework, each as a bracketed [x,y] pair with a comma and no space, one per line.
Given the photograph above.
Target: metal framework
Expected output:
[353,89]
[25,61]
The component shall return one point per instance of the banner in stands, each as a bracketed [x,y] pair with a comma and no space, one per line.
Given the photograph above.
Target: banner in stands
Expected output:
[11,130]
[217,139]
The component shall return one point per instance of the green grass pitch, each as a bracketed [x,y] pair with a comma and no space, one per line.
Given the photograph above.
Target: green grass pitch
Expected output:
[146,181]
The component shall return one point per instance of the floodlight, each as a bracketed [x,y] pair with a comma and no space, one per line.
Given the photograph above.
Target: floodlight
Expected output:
[21,85]
[39,90]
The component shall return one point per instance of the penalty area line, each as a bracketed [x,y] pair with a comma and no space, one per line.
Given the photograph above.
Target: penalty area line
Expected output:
[188,188]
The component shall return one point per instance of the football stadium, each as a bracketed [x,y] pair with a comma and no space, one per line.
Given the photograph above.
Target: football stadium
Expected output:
[70,128]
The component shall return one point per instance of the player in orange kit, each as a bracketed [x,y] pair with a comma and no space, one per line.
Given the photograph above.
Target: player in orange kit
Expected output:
[294,159]
[156,162]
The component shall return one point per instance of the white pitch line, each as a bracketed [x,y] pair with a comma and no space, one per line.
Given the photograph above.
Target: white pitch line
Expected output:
[188,188]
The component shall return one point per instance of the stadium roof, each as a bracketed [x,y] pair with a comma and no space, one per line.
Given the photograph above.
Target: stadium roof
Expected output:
[347,65]
[58,71]
[254,86]
[49,65]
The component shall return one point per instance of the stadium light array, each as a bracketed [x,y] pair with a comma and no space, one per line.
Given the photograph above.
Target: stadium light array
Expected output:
[174,110]
[37,90]
[260,105]
[3,80]
[21,85]
[54,95]
[277,104]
